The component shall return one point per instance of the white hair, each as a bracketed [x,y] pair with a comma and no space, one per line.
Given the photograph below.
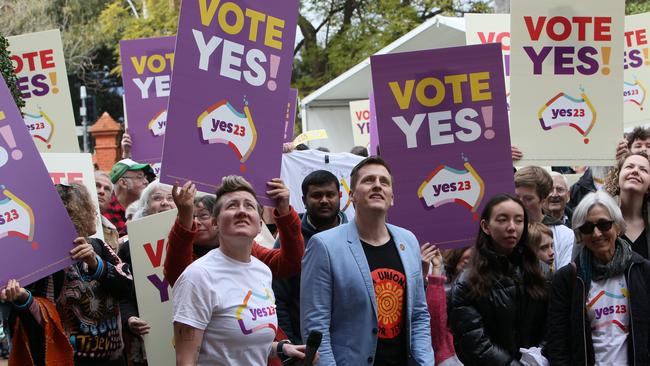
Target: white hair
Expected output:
[142,205]
[592,199]
[556,174]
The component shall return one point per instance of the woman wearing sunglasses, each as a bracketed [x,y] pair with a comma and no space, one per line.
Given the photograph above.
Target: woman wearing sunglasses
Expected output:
[599,311]
[629,183]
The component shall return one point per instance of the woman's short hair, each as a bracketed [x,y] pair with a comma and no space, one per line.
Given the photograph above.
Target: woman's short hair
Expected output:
[143,203]
[592,199]
[233,183]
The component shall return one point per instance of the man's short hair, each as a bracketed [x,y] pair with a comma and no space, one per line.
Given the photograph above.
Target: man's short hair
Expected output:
[230,184]
[537,177]
[319,178]
[101,173]
[638,133]
[564,179]
[371,160]
[359,150]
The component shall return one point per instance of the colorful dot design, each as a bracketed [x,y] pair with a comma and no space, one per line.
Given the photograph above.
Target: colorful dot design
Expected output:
[265,296]
[389,293]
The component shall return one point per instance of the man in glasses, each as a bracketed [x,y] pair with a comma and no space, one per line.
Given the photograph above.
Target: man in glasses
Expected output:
[533,184]
[555,205]
[129,180]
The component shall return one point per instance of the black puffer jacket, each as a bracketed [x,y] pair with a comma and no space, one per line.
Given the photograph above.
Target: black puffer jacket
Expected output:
[490,330]
[569,331]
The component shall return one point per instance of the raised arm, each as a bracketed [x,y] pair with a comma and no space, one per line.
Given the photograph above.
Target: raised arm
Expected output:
[283,262]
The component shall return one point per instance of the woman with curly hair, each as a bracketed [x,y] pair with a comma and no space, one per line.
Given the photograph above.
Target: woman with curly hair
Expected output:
[499,302]
[629,183]
[86,295]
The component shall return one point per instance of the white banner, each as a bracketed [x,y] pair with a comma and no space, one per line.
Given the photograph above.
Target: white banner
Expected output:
[148,245]
[298,164]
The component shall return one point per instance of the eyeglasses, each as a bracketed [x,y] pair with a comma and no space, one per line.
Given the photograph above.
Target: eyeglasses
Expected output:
[603,225]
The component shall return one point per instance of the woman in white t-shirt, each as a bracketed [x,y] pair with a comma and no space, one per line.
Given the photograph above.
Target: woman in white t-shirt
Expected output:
[599,311]
[223,304]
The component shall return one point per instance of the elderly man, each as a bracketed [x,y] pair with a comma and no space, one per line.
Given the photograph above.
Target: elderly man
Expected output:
[555,205]
[129,179]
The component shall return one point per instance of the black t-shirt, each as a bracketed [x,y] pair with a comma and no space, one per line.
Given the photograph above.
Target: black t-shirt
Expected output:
[389,282]
[640,245]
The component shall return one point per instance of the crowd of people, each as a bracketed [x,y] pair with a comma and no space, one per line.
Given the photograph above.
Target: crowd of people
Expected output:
[558,274]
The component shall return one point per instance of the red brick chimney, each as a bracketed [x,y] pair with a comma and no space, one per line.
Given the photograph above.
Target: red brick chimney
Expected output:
[106,131]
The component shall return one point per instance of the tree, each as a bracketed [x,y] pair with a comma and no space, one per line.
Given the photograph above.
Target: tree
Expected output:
[338,34]
[7,70]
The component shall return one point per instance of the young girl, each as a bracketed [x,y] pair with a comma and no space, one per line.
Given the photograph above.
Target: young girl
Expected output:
[540,240]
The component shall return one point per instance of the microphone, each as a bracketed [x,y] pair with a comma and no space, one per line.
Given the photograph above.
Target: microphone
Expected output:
[311,346]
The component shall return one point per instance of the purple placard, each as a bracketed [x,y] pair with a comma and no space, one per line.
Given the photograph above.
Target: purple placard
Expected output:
[229,92]
[36,233]
[374,134]
[146,74]
[443,128]
[290,117]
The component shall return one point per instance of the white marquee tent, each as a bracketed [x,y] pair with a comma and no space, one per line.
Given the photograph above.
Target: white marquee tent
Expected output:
[327,108]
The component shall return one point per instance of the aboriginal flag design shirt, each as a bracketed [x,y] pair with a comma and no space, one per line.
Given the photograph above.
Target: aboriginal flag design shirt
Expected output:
[389,282]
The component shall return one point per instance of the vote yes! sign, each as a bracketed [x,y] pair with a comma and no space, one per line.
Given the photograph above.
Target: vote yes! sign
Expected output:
[567,80]
[146,70]
[39,63]
[228,102]
[443,129]
[36,233]
[148,246]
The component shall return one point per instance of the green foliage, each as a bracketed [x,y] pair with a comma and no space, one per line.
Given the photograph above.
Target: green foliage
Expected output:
[7,70]
[75,18]
[636,6]
[117,22]
[346,32]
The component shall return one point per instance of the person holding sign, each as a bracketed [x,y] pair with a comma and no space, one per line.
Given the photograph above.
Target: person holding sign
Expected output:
[86,296]
[361,282]
[599,310]
[155,198]
[193,233]
[498,305]
[223,305]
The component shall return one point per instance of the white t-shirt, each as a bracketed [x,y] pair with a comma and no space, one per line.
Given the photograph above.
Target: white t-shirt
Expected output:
[563,239]
[608,311]
[233,303]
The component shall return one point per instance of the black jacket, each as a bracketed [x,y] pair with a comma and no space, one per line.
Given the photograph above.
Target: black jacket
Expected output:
[490,330]
[581,188]
[287,290]
[569,342]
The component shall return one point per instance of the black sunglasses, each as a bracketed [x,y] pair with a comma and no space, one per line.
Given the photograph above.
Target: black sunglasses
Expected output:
[602,225]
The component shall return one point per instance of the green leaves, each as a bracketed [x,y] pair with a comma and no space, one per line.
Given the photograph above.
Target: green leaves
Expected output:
[7,70]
